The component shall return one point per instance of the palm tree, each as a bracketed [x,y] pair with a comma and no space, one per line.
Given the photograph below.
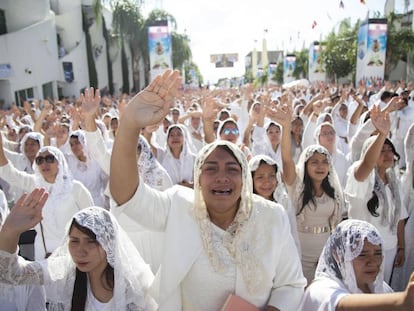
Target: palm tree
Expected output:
[129,26]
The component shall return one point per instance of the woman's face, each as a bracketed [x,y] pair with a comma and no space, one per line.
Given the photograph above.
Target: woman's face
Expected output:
[87,254]
[297,127]
[265,181]
[62,133]
[317,167]
[31,148]
[48,166]
[76,146]
[327,137]
[273,132]
[175,138]
[367,265]
[386,157]
[221,182]
[230,132]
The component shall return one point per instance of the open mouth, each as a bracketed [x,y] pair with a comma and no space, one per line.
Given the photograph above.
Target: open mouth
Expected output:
[222,192]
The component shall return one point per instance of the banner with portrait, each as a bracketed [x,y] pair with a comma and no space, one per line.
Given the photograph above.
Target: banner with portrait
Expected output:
[289,67]
[224,60]
[372,47]
[159,43]
[317,71]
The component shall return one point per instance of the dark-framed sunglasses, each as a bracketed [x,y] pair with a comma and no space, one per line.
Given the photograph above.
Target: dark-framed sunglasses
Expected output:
[50,158]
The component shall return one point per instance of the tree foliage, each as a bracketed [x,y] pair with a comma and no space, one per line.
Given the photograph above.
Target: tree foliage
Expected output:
[340,51]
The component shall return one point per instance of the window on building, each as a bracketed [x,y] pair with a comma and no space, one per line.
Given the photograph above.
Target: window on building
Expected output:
[47,89]
[3,27]
[22,95]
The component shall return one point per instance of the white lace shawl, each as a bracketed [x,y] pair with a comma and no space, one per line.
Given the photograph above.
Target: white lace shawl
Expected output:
[150,170]
[343,246]
[332,178]
[251,267]
[132,276]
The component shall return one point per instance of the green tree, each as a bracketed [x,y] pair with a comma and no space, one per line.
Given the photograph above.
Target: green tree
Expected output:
[340,50]
[129,27]
[278,73]
[181,51]
[302,64]
[399,43]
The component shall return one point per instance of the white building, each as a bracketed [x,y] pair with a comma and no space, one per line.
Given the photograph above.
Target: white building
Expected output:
[33,64]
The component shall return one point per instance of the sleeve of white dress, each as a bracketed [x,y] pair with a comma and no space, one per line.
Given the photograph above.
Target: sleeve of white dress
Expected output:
[14,270]
[359,138]
[17,178]
[97,149]
[149,207]
[289,282]
[322,295]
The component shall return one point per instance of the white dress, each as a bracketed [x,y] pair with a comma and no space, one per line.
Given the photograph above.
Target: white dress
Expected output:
[56,212]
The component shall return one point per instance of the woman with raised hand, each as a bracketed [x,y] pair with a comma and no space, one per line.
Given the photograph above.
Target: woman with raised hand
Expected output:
[66,195]
[373,191]
[315,190]
[218,236]
[22,297]
[95,268]
[350,274]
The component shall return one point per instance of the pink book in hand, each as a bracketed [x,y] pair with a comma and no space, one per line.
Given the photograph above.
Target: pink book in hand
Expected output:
[236,303]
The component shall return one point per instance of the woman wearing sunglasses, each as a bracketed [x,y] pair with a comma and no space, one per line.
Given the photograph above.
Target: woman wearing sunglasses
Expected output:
[228,130]
[66,195]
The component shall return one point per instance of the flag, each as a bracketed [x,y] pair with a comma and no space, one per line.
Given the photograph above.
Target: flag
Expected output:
[341,4]
[314,24]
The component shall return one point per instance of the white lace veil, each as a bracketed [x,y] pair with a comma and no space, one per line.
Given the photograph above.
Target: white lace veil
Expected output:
[132,276]
[150,170]
[343,246]
[332,178]
[243,256]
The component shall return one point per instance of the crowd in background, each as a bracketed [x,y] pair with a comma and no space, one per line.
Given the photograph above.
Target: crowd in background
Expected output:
[325,153]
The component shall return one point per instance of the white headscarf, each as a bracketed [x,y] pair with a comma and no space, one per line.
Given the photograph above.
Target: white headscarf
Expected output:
[391,212]
[343,246]
[132,276]
[243,256]
[280,194]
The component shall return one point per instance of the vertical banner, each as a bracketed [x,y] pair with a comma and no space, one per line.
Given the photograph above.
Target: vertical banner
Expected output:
[372,45]
[159,42]
[288,68]
[317,70]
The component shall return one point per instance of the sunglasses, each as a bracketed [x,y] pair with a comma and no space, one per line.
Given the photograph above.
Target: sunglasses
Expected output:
[233,131]
[48,158]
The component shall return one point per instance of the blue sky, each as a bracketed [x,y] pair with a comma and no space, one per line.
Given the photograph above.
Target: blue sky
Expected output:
[237,26]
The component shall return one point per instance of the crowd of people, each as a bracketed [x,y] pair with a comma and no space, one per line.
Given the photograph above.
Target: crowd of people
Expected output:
[290,198]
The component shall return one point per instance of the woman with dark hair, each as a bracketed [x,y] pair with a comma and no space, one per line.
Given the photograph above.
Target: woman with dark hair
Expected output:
[350,274]
[315,191]
[95,268]
[373,191]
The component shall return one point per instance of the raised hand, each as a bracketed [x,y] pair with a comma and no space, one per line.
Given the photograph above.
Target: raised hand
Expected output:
[380,119]
[282,115]
[152,104]
[27,212]
[90,102]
